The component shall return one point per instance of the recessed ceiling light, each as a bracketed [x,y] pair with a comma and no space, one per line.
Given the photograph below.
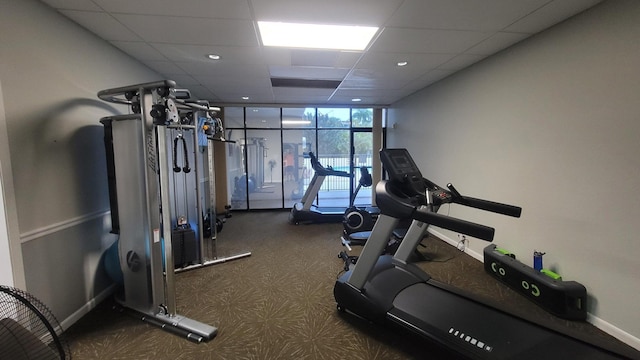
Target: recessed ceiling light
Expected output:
[402,63]
[213,56]
[356,99]
[315,36]
[245,98]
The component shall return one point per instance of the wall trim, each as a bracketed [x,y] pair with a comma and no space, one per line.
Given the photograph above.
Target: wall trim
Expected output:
[601,324]
[62,225]
[86,308]
[614,331]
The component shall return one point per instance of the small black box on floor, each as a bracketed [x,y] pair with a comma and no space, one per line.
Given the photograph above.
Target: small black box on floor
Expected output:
[565,299]
[184,246]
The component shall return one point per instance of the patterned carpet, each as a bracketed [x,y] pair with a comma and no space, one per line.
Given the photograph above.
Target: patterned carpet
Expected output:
[278,303]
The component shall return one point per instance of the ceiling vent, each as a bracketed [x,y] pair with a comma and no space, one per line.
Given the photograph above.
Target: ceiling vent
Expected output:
[305,83]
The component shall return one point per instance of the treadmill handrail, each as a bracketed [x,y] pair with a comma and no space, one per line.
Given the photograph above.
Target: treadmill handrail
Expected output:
[393,202]
[487,205]
[322,171]
[479,231]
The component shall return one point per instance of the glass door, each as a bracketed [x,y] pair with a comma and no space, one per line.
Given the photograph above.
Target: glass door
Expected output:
[361,157]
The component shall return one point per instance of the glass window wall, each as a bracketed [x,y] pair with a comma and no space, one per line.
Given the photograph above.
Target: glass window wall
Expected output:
[268,166]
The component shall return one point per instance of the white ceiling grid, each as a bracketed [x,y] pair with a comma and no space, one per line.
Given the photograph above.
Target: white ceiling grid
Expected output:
[436,38]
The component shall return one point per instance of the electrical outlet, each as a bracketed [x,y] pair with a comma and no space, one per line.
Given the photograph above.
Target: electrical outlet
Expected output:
[462,242]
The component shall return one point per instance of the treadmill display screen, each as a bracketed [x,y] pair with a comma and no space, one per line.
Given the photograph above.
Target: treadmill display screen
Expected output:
[399,163]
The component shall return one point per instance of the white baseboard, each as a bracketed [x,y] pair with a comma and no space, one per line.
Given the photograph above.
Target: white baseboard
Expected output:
[614,331]
[603,325]
[92,303]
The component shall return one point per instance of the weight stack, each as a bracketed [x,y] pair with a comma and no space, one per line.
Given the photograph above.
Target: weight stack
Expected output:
[565,299]
[185,246]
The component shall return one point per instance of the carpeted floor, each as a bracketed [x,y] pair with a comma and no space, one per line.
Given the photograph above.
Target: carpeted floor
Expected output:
[278,303]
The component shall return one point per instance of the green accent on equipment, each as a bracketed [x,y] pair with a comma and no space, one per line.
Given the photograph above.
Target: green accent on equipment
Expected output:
[551,274]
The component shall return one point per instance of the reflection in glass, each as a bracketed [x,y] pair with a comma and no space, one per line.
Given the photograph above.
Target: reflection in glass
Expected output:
[234,117]
[362,117]
[333,118]
[298,117]
[236,179]
[263,117]
[264,168]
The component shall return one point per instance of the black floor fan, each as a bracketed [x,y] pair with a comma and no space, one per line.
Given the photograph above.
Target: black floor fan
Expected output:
[28,329]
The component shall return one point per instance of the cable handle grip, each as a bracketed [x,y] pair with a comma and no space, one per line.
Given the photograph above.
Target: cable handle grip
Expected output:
[500,208]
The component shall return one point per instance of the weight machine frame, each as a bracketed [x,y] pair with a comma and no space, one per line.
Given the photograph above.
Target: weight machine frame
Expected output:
[143,207]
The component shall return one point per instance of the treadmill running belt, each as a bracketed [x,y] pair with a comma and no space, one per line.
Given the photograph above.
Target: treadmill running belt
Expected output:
[481,332]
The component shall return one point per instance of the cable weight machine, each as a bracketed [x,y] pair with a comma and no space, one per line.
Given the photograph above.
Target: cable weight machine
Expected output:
[143,194]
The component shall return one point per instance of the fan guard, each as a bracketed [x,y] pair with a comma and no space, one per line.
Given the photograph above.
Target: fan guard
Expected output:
[28,329]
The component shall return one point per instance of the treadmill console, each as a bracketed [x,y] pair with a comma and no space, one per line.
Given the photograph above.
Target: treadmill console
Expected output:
[399,164]
[402,169]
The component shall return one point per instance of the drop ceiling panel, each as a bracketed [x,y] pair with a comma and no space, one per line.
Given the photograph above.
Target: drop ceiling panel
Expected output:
[223,69]
[367,79]
[86,5]
[140,50]
[307,72]
[315,58]
[461,61]
[551,14]
[165,67]
[427,41]
[233,54]
[194,31]
[436,37]
[417,63]
[219,83]
[219,9]
[102,23]
[485,15]
[353,12]
[497,42]
[201,92]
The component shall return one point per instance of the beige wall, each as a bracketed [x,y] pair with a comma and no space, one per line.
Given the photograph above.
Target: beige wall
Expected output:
[51,70]
[553,125]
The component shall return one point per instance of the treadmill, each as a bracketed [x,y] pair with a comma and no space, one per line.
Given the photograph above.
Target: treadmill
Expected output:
[306,212]
[391,291]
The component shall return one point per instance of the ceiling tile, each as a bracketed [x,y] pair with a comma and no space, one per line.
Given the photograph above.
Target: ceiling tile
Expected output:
[194,31]
[436,37]
[353,12]
[201,92]
[219,9]
[318,58]
[165,67]
[551,14]
[232,82]
[86,5]
[302,72]
[461,61]
[427,41]
[233,54]
[102,23]
[418,64]
[497,42]
[485,15]
[139,50]
[223,69]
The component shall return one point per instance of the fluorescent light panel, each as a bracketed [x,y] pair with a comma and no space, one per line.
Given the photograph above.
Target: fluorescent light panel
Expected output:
[296,122]
[336,37]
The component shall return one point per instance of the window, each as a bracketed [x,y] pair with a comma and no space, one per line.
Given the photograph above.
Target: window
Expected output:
[268,166]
